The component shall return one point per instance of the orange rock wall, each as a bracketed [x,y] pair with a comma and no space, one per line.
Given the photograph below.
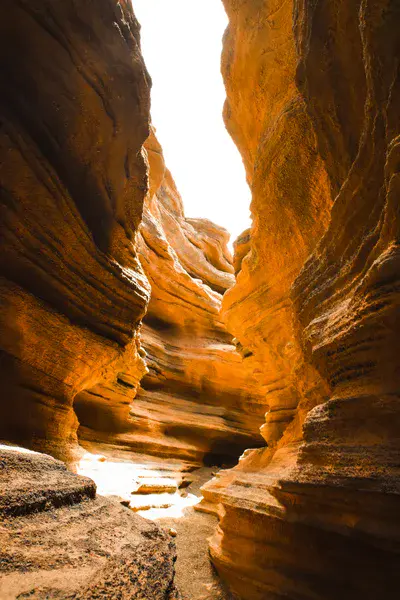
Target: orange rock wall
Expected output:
[74,116]
[199,400]
[199,394]
[313,91]
[290,198]
[75,178]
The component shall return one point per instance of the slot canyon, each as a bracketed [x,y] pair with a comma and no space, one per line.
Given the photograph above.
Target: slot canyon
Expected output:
[177,423]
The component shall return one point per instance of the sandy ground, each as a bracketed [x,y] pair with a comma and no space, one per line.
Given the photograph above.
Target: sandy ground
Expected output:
[195,576]
[122,474]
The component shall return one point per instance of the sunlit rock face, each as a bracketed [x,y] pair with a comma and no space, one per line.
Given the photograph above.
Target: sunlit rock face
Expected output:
[313,94]
[74,113]
[199,400]
[74,177]
[199,397]
[60,540]
[267,118]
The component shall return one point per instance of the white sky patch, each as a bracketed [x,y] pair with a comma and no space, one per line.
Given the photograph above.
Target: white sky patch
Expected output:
[182,43]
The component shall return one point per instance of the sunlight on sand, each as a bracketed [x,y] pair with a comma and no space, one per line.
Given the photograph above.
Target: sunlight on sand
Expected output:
[126,479]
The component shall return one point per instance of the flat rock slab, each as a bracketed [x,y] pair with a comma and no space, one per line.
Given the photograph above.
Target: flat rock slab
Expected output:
[156,485]
[58,540]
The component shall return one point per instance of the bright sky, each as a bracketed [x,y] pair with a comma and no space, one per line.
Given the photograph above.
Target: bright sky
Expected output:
[181,44]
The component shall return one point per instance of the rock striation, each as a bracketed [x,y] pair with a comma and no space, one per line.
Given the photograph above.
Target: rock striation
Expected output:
[59,540]
[73,178]
[91,223]
[199,400]
[313,91]
[199,396]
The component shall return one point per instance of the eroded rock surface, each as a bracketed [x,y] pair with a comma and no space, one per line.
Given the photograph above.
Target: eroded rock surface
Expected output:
[199,399]
[313,91]
[313,94]
[74,115]
[74,177]
[58,540]
[199,396]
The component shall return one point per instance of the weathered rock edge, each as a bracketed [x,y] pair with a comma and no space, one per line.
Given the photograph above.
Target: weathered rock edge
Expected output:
[74,116]
[59,540]
[313,93]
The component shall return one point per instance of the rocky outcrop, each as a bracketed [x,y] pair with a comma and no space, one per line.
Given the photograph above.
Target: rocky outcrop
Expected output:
[199,400]
[59,540]
[313,91]
[74,115]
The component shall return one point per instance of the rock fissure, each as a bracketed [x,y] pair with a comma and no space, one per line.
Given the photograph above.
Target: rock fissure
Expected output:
[138,351]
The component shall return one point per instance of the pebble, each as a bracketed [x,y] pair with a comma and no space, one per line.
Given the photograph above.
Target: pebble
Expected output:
[172,532]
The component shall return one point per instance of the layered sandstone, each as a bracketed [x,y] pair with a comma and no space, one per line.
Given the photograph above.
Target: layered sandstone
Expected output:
[313,92]
[74,113]
[199,400]
[60,540]
[74,177]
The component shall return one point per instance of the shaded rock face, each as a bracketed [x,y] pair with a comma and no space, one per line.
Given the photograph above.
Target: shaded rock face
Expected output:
[74,115]
[313,94]
[199,400]
[59,540]
[75,178]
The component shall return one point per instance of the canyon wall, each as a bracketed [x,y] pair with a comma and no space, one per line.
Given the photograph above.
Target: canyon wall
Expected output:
[313,94]
[312,103]
[76,181]
[74,116]
[198,400]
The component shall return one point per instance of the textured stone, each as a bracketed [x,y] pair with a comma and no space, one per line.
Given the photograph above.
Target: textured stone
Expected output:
[313,95]
[58,540]
[267,118]
[313,91]
[199,396]
[74,177]
[199,400]
[74,115]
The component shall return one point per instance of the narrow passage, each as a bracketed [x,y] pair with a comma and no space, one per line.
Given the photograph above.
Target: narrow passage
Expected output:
[166,491]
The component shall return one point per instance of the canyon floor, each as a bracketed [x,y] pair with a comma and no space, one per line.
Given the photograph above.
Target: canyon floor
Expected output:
[195,575]
[167,492]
